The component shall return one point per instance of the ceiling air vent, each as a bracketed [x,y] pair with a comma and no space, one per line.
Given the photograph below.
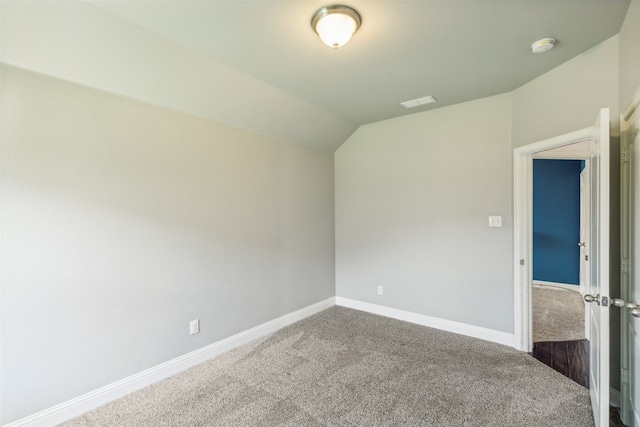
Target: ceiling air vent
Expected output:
[418,102]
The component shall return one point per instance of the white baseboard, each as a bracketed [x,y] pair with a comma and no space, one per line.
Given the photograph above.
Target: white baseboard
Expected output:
[86,402]
[563,286]
[504,338]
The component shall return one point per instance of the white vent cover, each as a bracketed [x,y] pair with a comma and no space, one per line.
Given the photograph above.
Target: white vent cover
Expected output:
[418,102]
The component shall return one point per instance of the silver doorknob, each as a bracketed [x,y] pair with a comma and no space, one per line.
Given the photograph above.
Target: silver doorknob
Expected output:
[591,298]
[582,244]
[618,302]
[634,308]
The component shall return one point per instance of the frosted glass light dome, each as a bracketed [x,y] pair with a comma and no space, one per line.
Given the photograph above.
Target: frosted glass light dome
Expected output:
[336,24]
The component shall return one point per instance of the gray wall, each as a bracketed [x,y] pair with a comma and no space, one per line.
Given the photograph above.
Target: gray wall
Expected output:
[629,57]
[568,97]
[413,196]
[122,221]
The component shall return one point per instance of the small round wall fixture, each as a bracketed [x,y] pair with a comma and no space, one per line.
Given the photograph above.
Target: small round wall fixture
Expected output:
[335,24]
[543,45]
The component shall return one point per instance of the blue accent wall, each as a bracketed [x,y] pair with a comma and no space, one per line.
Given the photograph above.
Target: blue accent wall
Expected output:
[556,220]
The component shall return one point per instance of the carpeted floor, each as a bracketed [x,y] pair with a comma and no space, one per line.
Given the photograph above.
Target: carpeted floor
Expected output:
[344,367]
[558,315]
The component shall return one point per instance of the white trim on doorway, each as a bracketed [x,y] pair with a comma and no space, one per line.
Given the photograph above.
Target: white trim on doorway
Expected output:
[523,212]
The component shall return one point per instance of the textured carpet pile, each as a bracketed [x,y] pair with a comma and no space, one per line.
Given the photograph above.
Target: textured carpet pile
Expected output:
[558,315]
[344,367]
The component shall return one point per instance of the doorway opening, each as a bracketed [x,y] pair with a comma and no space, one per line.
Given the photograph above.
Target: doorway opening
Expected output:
[598,139]
[560,259]
[576,147]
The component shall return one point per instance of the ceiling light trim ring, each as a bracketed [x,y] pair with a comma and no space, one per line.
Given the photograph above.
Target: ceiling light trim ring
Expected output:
[335,8]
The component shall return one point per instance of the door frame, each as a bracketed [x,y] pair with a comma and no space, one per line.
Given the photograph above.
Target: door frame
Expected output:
[585,228]
[585,225]
[523,230]
[626,253]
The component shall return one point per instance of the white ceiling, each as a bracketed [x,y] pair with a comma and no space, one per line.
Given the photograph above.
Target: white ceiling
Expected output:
[258,65]
[455,50]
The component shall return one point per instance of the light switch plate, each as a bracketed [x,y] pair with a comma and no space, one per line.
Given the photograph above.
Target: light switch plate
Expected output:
[495,221]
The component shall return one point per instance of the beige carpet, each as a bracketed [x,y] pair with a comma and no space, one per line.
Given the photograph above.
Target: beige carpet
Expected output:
[558,315]
[343,367]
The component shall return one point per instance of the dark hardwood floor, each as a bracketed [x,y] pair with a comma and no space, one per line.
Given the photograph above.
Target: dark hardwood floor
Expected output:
[614,417]
[570,358]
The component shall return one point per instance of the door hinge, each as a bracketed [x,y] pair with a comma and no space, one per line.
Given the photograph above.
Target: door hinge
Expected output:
[521,262]
[624,376]
[624,154]
[624,265]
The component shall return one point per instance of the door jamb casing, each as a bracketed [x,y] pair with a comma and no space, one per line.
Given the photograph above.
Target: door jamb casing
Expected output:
[523,235]
[585,224]
[626,250]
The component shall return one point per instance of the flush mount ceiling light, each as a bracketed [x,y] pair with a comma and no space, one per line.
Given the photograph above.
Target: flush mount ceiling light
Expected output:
[543,45]
[335,24]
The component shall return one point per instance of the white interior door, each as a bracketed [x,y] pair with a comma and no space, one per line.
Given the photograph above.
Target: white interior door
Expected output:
[633,323]
[599,283]
[585,244]
[630,286]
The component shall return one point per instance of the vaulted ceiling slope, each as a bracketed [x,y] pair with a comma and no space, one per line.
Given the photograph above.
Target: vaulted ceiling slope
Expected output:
[259,65]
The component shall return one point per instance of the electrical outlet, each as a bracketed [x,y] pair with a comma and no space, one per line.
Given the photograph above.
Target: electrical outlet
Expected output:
[194,326]
[380,290]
